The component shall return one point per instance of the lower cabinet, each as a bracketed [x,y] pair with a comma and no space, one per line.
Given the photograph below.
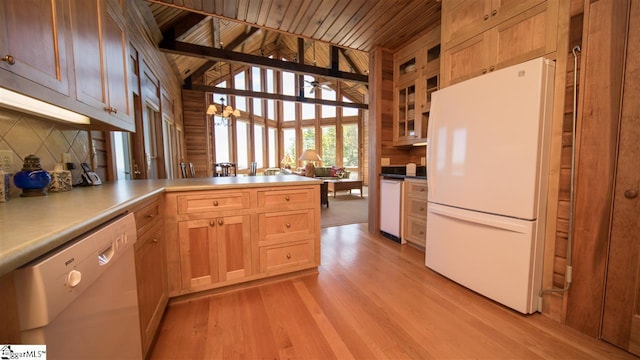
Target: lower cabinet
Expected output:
[218,238]
[415,212]
[151,270]
[214,250]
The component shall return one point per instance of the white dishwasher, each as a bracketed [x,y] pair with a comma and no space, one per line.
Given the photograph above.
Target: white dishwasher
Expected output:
[81,301]
[390,209]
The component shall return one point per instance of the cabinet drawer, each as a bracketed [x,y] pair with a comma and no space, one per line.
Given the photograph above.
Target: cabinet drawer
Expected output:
[147,216]
[416,189]
[287,198]
[416,207]
[213,202]
[286,225]
[416,231]
[277,257]
[150,238]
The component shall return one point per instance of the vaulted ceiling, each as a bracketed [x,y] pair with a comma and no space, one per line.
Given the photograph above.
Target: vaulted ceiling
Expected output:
[287,29]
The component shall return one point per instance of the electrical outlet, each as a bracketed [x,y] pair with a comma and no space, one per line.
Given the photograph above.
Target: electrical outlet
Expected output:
[66,158]
[423,161]
[6,160]
[385,161]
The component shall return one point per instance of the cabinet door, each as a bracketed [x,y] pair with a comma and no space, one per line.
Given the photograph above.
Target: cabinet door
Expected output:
[198,252]
[404,125]
[32,32]
[234,242]
[523,37]
[100,57]
[214,250]
[466,60]
[151,275]
[463,19]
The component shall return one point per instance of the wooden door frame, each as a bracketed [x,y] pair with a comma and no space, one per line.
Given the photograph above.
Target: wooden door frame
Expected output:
[601,79]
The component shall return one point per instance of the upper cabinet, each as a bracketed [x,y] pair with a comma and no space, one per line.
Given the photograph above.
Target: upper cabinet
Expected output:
[416,76]
[33,44]
[482,36]
[71,53]
[100,53]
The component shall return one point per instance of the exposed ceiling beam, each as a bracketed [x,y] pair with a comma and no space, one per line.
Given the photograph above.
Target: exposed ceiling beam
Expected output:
[187,49]
[182,25]
[350,61]
[264,95]
[232,45]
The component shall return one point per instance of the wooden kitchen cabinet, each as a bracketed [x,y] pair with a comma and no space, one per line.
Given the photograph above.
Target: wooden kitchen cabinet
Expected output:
[518,37]
[151,268]
[214,250]
[33,45]
[101,58]
[416,77]
[218,238]
[415,212]
[288,230]
[463,19]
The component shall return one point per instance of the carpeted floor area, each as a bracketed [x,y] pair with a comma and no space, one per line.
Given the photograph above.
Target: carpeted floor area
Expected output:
[345,209]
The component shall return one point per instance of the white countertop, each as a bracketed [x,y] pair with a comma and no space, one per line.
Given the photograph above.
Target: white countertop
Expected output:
[31,227]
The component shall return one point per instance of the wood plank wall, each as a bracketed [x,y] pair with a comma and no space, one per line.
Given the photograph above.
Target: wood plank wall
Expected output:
[604,35]
[197,132]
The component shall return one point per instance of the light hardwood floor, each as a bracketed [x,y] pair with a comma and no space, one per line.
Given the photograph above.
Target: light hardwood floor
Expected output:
[371,299]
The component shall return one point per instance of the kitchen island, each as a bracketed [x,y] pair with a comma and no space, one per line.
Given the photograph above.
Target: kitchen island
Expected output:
[31,227]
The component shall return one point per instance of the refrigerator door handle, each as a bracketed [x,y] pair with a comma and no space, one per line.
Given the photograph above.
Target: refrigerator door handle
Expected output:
[477,218]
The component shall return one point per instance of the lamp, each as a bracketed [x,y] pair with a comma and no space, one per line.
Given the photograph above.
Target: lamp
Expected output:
[227,112]
[286,161]
[28,104]
[310,156]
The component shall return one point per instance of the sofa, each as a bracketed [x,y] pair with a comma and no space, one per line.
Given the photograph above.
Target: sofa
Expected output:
[331,173]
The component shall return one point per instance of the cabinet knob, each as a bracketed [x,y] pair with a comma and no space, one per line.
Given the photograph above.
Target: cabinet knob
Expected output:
[484,71]
[215,202]
[212,223]
[220,222]
[631,194]
[288,256]
[421,209]
[8,59]
[486,17]
[287,225]
[491,68]
[494,12]
[150,216]
[155,240]
[287,198]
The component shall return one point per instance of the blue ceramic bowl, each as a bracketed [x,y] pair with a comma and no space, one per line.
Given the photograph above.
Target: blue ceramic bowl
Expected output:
[32,180]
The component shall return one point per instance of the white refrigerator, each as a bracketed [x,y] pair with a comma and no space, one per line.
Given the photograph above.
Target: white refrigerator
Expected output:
[488,145]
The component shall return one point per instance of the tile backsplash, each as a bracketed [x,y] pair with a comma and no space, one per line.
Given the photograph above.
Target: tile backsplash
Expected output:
[24,134]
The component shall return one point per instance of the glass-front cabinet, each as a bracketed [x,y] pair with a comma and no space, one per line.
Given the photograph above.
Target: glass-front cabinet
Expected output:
[417,76]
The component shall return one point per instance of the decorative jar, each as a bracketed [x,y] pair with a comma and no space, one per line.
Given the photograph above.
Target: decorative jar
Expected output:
[32,179]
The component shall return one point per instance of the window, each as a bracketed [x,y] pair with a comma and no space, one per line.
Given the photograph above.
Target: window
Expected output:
[289,146]
[256,85]
[242,141]
[270,87]
[273,146]
[239,83]
[222,144]
[328,111]
[288,111]
[271,109]
[350,145]
[258,133]
[328,145]
[349,111]
[308,138]
[288,83]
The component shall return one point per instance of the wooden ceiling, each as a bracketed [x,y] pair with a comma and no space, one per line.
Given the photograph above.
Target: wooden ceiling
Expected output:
[273,27]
